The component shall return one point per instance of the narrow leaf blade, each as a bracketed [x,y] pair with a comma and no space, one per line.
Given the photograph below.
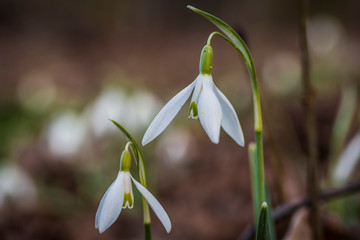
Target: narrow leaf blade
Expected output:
[269,216]
[236,40]
[262,228]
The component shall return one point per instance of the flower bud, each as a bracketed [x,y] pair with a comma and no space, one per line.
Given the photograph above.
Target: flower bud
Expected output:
[206,60]
[125,159]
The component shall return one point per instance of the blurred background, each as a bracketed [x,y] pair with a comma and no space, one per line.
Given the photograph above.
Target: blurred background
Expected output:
[67,67]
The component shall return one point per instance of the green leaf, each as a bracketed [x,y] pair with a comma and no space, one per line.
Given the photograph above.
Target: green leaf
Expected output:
[262,232]
[269,216]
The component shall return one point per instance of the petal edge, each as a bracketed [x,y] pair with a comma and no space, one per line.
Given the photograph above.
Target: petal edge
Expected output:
[166,114]
[155,205]
[230,121]
[110,205]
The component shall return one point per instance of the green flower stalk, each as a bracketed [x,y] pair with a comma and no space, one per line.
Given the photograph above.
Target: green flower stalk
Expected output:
[236,41]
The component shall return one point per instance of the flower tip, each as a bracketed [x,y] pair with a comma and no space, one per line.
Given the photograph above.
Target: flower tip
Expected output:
[214,140]
[102,228]
[155,205]
[264,206]
[241,143]
[168,228]
[143,142]
[190,7]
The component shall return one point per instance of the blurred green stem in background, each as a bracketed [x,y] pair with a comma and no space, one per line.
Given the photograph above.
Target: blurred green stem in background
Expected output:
[337,158]
[236,41]
[311,128]
[344,117]
[276,164]
[142,177]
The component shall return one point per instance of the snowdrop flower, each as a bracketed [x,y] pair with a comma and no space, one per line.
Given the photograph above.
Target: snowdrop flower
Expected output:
[208,104]
[120,195]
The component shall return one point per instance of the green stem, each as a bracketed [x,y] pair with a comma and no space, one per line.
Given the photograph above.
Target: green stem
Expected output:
[147,231]
[216,33]
[260,162]
[258,128]
[254,179]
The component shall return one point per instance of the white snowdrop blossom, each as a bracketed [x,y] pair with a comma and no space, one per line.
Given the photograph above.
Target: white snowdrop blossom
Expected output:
[119,195]
[208,104]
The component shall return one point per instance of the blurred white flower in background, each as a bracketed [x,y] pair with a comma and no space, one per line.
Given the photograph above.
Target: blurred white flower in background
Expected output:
[348,160]
[174,146]
[324,33]
[108,105]
[281,73]
[37,91]
[133,110]
[66,133]
[17,187]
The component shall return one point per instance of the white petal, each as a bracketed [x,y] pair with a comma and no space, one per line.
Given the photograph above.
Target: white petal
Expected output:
[230,121]
[195,95]
[111,204]
[197,89]
[166,114]
[155,205]
[210,113]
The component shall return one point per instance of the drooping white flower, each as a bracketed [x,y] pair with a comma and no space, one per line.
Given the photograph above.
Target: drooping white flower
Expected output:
[119,195]
[208,104]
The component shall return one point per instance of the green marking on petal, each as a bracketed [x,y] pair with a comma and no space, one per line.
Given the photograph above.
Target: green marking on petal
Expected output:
[128,200]
[193,110]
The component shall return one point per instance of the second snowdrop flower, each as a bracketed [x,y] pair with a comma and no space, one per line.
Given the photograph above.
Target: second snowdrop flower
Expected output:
[120,195]
[208,104]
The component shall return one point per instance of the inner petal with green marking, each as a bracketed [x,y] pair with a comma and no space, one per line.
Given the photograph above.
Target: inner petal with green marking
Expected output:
[128,200]
[128,193]
[193,112]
